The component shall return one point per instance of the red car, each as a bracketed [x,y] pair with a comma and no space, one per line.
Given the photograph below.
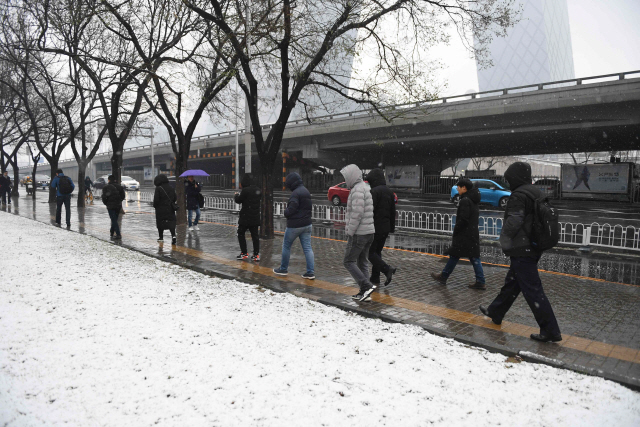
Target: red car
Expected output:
[339,194]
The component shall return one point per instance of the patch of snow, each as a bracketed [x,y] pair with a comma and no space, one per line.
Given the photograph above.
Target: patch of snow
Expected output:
[94,334]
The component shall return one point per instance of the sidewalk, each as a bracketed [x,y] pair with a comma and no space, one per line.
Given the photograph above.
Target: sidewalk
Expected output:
[600,320]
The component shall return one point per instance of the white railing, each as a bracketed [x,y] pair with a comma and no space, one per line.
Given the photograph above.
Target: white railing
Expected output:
[572,234]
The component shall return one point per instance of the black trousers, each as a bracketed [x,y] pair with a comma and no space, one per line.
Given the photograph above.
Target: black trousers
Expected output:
[115,228]
[66,201]
[254,237]
[5,195]
[172,230]
[523,277]
[375,257]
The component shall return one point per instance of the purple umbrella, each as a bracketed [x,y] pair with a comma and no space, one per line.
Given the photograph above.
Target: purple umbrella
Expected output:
[194,172]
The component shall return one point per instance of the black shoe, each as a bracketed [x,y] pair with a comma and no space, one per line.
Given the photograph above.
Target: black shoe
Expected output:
[389,274]
[478,285]
[367,293]
[160,240]
[242,257]
[117,237]
[358,296]
[485,311]
[546,338]
[173,240]
[438,278]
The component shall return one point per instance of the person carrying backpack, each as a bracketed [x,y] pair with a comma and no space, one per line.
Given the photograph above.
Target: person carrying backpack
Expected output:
[525,213]
[249,218]
[112,196]
[64,187]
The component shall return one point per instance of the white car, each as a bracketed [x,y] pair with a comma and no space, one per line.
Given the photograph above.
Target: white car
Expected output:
[129,183]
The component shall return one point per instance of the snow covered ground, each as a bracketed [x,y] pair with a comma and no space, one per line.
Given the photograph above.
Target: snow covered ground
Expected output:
[93,334]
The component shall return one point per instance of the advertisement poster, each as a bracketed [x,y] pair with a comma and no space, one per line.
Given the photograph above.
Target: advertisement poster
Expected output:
[147,173]
[610,178]
[403,176]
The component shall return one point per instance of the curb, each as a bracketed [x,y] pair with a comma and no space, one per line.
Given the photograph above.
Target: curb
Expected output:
[631,383]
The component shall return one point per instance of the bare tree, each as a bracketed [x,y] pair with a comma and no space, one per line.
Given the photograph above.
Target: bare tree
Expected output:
[576,157]
[295,52]
[486,163]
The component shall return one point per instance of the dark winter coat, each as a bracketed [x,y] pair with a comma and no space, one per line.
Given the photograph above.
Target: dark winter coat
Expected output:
[5,184]
[192,189]
[249,198]
[466,234]
[518,216]
[384,204]
[298,212]
[113,195]
[87,183]
[164,195]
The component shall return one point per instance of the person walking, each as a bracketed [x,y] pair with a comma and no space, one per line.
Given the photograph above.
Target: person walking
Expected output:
[164,200]
[249,218]
[298,214]
[5,187]
[192,190]
[112,196]
[64,186]
[360,230]
[88,184]
[466,235]
[515,239]
[384,221]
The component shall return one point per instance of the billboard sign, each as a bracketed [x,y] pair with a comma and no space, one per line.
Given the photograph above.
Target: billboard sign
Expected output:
[147,173]
[610,178]
[403,176]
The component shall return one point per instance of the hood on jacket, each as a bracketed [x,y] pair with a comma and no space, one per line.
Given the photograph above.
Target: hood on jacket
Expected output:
[160,179]
[246,180]
[473,195]
[293,181]
[352,175]
[517,174]
[376,178]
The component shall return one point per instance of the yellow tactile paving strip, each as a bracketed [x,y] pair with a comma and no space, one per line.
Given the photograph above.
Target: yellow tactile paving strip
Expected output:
[569,341]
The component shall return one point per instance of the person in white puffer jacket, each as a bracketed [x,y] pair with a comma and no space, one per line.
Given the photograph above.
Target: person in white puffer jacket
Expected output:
[360,230]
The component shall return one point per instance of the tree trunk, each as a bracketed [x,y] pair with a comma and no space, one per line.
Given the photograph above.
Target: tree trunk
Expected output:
[266,203]
[16,177]
[116,165]
[82,169]
[181,166]
[52,191]
[33,180]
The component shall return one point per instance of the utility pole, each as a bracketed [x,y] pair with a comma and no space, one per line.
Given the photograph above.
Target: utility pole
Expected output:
[153,164]
[237,145]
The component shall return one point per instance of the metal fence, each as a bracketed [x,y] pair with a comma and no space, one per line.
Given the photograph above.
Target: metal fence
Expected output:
[571,234]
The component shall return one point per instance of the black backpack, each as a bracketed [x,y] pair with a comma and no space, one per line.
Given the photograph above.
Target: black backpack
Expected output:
[545,230]
[200,200]
[106,193]
[64,185]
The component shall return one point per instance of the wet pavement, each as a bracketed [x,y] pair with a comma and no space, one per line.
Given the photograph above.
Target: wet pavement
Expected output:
[596,298]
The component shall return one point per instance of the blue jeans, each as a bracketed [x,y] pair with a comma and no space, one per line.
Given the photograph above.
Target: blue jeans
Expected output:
[290,235]
[451,264]
[191,211]
[66,201]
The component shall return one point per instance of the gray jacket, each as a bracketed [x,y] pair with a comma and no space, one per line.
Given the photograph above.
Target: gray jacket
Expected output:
[359,217]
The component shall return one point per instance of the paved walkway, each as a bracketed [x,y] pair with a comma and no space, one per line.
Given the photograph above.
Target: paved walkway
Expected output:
[600,320]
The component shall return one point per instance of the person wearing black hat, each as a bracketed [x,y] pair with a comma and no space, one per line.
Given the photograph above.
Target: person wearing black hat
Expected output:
[466,235]
[249,218]
[523,272]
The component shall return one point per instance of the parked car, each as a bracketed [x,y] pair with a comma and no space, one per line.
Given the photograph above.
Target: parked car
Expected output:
[549,186]
[42,181]
[101,182]
[339,194]
[129,184]
[491,193]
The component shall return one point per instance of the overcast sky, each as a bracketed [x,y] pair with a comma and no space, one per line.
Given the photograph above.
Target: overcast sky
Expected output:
[605,37]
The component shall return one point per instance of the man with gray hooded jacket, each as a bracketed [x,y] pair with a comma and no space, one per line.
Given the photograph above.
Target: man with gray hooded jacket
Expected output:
[360,229]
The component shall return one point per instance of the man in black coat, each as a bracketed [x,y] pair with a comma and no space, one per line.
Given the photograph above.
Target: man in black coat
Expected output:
[466,235]
[163,200]
[192,190]
[112,196]
[5,187]
[298,214]
[249,218]
[384,221]
[523,272]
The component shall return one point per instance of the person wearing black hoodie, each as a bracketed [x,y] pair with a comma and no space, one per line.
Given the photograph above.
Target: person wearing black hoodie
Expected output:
[112,196]
[384,221]
[192,189]
[249,218]
[466,235]
[523,272]
[163,200]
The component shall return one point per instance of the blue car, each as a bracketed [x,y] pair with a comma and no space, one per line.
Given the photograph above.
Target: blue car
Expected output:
[491,193]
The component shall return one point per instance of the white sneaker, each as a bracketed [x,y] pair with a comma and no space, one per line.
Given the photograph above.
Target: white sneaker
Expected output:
[190,228]
[195,227]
